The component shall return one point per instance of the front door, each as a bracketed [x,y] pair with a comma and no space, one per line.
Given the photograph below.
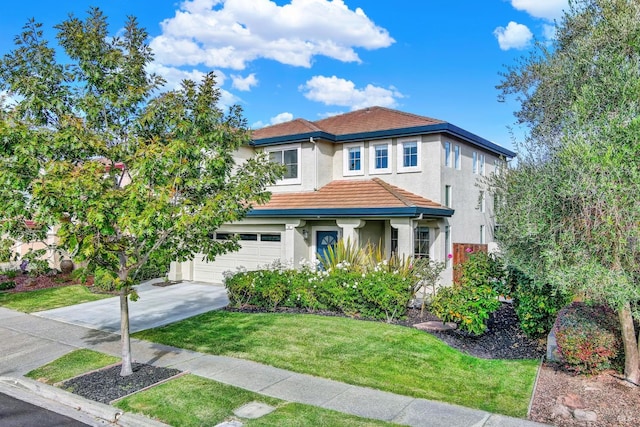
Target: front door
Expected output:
[325,239]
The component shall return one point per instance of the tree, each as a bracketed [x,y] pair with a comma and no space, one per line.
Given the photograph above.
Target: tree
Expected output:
[570,213]
[121,169]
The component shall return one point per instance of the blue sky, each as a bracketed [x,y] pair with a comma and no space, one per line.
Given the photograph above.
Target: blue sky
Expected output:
[313,58]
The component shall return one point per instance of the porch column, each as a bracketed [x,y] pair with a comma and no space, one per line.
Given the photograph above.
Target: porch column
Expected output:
[290,235]
[349,229]
[405,235]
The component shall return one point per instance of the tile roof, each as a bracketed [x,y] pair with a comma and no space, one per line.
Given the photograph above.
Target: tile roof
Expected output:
[370,119]
[344,194]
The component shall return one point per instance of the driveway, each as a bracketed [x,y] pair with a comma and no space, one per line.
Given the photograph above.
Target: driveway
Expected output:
[157,306]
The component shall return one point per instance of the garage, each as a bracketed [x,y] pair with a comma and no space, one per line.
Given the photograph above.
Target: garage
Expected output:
[257,249]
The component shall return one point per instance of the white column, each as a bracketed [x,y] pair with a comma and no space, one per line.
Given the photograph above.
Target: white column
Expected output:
[350,229]
[405,236]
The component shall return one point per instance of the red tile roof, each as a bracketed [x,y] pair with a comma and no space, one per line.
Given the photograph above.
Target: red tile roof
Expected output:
[370,193]
[366,120]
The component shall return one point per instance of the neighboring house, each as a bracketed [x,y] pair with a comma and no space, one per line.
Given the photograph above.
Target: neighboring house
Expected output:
[375,175]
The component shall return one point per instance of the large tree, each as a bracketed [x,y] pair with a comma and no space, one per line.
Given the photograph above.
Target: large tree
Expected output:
[121,169]
[570,213]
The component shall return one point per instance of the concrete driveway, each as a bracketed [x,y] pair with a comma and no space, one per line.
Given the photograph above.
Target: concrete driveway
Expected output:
[157,306]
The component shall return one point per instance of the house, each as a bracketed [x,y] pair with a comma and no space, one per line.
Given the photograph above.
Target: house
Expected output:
[375,175]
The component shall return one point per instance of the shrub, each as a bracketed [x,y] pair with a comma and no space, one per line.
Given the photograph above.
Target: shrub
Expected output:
[375,294]
[536,305]
[588,337]
[10,284]
[470,301]
[156,266]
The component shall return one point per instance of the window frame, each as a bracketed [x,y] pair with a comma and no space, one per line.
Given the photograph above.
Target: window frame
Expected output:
[447,154]
[481,160]
[474,156]
[417,242]
[373,170]
[400,155]
[457,157]
[346,159]
[282,149]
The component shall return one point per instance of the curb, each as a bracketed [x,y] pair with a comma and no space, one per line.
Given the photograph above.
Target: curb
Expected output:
[71,405]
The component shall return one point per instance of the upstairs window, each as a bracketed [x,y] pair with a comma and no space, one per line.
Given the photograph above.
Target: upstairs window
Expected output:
[289,157]
[456,154]
[447,154]
[409,156]
[481,164]
[380,161]
[475,162]
[353,158]
[447,196]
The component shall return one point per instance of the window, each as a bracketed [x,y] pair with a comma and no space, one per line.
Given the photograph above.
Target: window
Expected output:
[447,154]
[421,242]
[456,154]
[447,245]
[250,237]
[482,238]
[270,237]
[447,196]
[408,156]
[475,162]
[379,158]
[223,236]
[353,159]
[289,157]
[482,202]
[394,240]
[481,166]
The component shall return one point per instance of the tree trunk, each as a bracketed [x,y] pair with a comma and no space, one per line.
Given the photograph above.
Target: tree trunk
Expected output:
[124,333]
[631,353]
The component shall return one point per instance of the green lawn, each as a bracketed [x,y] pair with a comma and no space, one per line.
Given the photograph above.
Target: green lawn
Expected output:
[47,299]
[195,401]
[373,354]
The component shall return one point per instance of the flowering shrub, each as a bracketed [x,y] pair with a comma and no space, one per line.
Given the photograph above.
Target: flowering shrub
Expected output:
[376,293]
[470,301]
[588,337]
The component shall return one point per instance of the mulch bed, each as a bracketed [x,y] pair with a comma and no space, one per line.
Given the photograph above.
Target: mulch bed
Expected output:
[26,283]
[106,385]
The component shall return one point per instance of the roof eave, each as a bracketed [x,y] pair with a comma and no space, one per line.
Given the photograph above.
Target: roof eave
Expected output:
[444,127]
[410,211]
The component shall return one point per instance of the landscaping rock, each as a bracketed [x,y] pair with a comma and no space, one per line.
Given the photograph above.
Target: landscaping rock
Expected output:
[572,401]
[586,416]
[560,411]
[435,325]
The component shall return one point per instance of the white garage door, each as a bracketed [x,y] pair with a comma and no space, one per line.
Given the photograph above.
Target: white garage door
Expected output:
[257,250]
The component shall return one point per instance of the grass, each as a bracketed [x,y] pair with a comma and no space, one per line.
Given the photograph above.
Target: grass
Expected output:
[195,401]
[71,365]
[372,354]
[47,299]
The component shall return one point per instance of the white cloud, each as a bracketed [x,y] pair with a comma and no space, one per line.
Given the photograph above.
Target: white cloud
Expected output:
[175,76]
[545,9]
[231,33]
[514,36]
[280,118]
[244,83]
[336,91]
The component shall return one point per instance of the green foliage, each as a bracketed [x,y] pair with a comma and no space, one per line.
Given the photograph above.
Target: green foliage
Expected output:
[375,294]
[588,337]
[470,301]
[427,274]
[10,274]
[6,250]
[36,265]
[9,284]
[344,252]
[570,210]
[156,266]
[536,305]
[123,168]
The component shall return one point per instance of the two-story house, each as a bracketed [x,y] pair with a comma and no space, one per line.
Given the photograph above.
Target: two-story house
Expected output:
[376,175]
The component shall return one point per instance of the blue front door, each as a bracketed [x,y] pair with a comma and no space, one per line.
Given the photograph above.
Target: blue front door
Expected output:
[324,239]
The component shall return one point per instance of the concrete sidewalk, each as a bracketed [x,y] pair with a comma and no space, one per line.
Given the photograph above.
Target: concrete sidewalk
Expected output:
[30,341]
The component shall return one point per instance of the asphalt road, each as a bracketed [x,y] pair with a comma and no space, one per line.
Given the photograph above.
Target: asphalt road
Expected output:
[17,413]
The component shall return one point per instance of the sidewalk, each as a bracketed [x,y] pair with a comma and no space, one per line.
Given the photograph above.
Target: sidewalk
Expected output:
[30,341]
